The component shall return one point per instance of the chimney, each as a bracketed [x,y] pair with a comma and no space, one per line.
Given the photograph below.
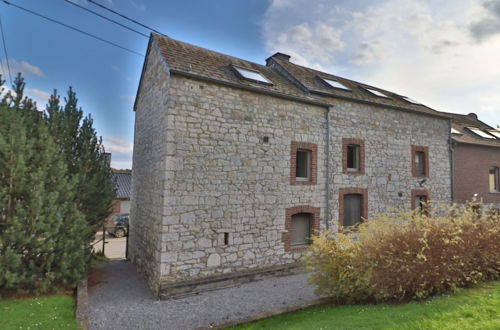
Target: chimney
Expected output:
[282,56]
[473,115]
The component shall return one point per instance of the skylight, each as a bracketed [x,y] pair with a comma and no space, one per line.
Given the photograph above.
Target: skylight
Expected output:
[252,74]
[407,99]
[376,92]
[477,131]
[455,131]
[336,84]
[495,133]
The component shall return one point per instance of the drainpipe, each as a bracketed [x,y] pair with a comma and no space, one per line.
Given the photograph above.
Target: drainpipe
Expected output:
[328,172]
[451,162]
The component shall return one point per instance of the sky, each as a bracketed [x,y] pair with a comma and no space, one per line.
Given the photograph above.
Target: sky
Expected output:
[443,53]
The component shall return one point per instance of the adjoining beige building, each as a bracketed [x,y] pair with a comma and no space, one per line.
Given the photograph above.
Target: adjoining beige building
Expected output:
[237,164]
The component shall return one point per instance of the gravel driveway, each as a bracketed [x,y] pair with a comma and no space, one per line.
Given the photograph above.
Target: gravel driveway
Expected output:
[120,299]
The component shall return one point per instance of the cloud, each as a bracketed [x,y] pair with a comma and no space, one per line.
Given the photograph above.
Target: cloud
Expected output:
[420,48]
[138,6]
[22,66]
[117,145]
[121,151]
[130,98]
[489,24]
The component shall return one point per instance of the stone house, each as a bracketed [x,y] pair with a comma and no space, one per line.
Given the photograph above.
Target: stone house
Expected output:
[237,164]
[476,160]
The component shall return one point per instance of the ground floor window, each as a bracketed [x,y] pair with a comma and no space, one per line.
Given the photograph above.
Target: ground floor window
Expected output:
[301,223]
[420,201]
[494,179]
[353,206]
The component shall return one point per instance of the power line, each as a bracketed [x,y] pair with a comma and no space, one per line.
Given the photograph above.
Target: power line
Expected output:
[72,28]
[5,50]
[107,18]
[126,17]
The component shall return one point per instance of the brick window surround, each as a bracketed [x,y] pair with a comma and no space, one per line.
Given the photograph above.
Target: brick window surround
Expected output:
[414,150]
[361,144]
[364,204]
[289,213]
[313,148]
[421,192]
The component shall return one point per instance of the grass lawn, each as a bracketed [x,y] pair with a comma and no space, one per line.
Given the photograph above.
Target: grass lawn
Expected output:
[474,308]
[46,312]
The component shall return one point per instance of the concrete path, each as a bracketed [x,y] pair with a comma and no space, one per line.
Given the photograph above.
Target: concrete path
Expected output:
[120,299]
[115,247]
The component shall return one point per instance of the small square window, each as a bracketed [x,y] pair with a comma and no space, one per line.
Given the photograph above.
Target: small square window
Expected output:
[353,158]
[421,204]
[300,229]
[303,166]
[494,179]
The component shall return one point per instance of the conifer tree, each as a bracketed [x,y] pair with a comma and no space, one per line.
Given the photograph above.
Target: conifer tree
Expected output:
[85,158]
[42,232]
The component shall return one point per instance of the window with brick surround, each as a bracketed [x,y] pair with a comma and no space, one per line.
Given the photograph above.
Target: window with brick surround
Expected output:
[300,229]
[420,161]
[353,156]
[301,222]
[494,179]
[420,201]
[353,206]
[303,163]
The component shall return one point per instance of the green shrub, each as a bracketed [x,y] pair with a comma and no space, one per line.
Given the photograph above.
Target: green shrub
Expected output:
[403,256]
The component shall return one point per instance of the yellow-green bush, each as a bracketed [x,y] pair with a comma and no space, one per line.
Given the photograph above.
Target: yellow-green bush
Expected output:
[403,256]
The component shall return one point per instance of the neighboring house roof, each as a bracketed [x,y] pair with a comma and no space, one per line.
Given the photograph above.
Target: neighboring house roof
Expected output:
[122,183]
[286,78]
[463,130]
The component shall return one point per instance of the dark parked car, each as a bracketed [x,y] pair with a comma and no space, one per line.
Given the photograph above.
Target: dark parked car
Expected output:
[120,225]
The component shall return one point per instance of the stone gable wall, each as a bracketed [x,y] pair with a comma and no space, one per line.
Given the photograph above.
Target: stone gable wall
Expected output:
[148,169]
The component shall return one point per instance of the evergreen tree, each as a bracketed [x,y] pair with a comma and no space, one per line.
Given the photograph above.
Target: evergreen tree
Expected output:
[42,232]
[85,158]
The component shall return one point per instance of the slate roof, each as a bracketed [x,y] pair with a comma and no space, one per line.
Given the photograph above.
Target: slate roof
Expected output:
[461,122]
[122,183]
[311,80]
[184,58]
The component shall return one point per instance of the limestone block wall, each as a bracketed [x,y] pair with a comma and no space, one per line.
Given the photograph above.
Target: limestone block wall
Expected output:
[228,178]
[148,169]
[388,136]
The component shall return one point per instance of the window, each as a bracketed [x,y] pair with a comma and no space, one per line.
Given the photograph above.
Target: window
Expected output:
[353,158]
[353,206]
[301,222]
[376,92]
[494,179]
[420,201]
[482,134]
[352,209]
[252,75]
[353,161]
[303,163]
[335,84]
[407,99]
[420,161]
[301,229]
[496,133]
[303,166]
[455,131]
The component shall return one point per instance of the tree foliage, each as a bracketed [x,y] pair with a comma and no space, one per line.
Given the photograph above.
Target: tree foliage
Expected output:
[55,190]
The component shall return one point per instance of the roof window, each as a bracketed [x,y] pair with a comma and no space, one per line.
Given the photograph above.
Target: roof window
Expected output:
[376,92]
[495,133]
[336,84]
[455,131]
[252,75]
[482,134]
[407,99]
